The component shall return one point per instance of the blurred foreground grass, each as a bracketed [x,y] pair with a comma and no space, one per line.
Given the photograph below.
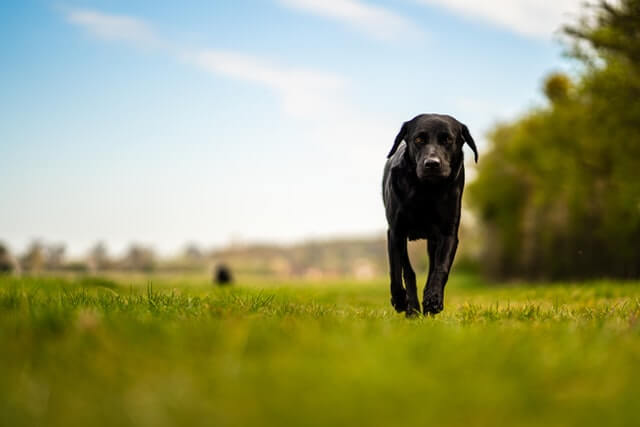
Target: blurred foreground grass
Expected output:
[120,352]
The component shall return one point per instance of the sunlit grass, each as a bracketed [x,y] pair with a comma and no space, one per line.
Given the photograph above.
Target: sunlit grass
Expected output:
[139,351]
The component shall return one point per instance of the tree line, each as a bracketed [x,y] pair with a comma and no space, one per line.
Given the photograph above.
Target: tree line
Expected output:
[52,257]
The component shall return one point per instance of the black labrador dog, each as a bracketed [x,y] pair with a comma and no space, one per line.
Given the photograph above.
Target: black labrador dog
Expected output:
[422,191]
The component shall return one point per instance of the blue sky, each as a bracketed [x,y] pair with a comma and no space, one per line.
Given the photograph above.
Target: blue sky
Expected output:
[164,122]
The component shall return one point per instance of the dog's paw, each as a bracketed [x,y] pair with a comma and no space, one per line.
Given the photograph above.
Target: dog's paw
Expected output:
[412,312]
[432,304]
[413,308]
[399,302]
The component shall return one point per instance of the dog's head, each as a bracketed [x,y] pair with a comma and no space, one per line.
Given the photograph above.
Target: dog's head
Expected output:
[434,145]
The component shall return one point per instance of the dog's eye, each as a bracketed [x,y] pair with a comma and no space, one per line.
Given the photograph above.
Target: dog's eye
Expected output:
[419,140]
[445,138]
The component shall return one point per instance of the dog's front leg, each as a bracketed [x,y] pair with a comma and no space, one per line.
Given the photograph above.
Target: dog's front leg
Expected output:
[442,250]
[395,241]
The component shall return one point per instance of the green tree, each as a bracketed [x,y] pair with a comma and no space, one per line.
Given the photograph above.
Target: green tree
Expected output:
[7,262]
[559,190]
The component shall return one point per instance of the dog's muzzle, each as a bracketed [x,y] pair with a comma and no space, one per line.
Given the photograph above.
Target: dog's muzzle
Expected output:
[432,164]
[432,168]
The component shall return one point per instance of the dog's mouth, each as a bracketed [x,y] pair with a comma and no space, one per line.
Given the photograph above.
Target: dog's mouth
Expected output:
[432,175]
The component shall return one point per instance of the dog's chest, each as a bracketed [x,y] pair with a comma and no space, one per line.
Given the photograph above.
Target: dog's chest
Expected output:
[422,215]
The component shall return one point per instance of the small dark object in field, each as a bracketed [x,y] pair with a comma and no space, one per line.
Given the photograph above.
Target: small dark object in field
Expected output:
[222,275]
[422,190]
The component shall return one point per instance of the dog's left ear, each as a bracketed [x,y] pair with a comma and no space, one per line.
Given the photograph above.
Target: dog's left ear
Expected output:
[469,140]
[399,138]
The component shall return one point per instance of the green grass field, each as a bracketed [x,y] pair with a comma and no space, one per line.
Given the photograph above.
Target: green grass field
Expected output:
[129,352]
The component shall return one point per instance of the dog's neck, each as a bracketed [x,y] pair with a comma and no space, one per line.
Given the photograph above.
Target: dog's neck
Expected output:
[458,169]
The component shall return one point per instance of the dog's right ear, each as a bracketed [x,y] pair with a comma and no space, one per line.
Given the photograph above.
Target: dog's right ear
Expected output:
[399,138]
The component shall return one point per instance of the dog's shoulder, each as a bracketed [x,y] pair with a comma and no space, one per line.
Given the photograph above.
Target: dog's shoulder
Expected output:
[397,160]
[396,169]
[397,175]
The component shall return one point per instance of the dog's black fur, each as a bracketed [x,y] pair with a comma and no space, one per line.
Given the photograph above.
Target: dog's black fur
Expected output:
[422,191]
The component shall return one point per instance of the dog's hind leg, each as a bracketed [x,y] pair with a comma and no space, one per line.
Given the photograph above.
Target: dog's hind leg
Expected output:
[394,248]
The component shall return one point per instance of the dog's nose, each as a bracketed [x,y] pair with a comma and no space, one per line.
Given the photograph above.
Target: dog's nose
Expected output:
[432,163]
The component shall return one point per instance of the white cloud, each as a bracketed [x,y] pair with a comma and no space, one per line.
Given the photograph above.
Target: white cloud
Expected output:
[532,18]
[304,93]
[115,27]
[376,21]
